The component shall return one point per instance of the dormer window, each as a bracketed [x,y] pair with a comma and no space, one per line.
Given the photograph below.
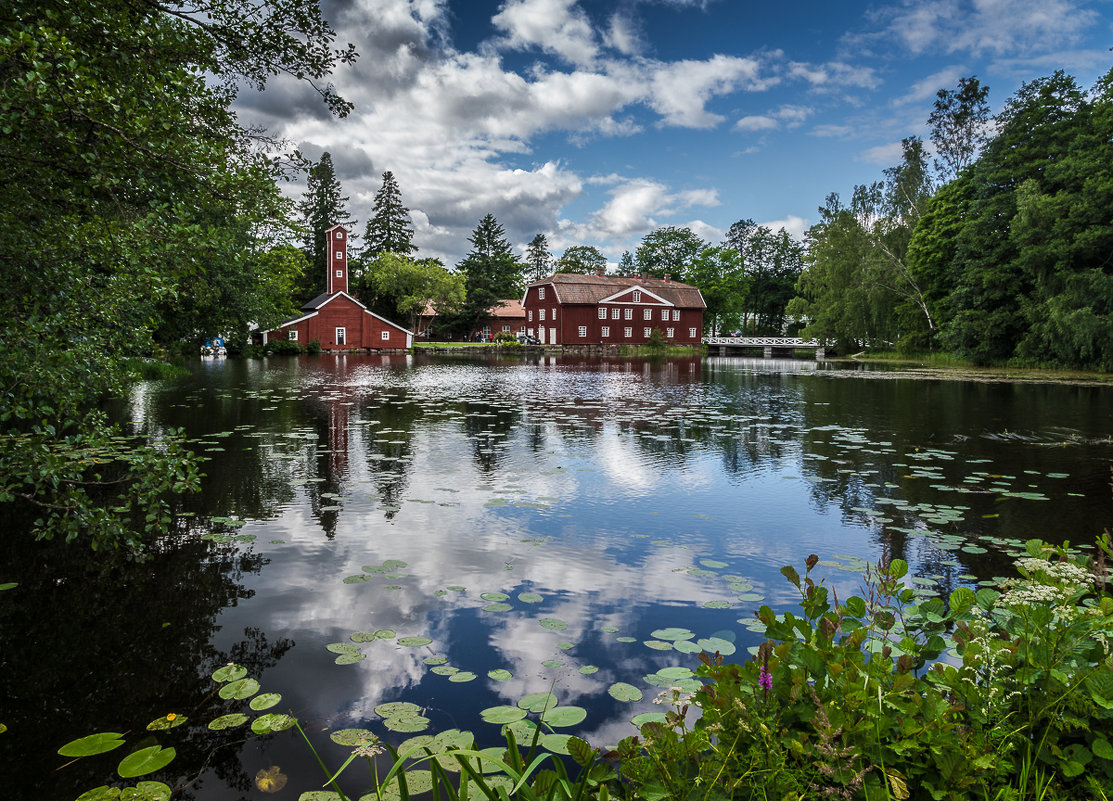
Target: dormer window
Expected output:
[637,296]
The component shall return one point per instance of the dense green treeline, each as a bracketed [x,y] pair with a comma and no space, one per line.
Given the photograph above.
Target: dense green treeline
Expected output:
[137,209]
[1009,261]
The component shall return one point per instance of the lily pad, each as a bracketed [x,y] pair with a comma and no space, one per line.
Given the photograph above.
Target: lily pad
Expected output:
[552,663]
[649,717]
[502,714]
[537,702]
[562,716]
[713,644]
[413,642]
[146,791]
[462,676]
[587,670]
[553,623]
[228,722]
[229,672]
[621,691]
[395,709]
[530,598]
[352,738]
[445,670]
[342,648]
[145,760]
[494,596]
[271,722]
[170,721]
[92,744]
[270,780]
[350,659]
[673,633]
[497,607]
[435,660]
[500,675]
[264,701]
[407,723]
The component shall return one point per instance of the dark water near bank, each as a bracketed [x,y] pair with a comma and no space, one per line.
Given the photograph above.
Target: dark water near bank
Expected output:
[606,499]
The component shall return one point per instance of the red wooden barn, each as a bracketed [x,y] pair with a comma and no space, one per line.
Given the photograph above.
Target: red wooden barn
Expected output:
[336,319]
[571,309]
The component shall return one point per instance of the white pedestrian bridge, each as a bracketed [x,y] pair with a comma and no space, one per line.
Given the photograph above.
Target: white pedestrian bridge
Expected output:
[770,345]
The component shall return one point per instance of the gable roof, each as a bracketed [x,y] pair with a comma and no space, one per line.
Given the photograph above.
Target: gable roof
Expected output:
[314,306]
[572,288]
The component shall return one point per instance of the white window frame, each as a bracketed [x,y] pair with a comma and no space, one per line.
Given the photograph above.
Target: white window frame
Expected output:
[615,313]
[554,314]
[341,335]
[676,315]
[646,332]
[339,254]
[692,332]
[602,312]
[339,273]
[670,332]
[293,335]
[583,331]
[339,234]
[506,328]
[628,314]
[647,314]
[605,331]
[637,296]
[628,332]
[386,334]
[541,315]
[531,315]
[664,315]
[540,293]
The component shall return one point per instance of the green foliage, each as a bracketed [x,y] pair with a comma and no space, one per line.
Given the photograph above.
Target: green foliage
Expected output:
[397,287]
[771,263]
[848,700]
[389,230]
[539,261]
[491,273]
[668,251]
[283,347]
[322,207]
[134,204]
[583,259]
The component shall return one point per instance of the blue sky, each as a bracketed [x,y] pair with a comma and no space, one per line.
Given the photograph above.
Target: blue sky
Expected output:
[597,122]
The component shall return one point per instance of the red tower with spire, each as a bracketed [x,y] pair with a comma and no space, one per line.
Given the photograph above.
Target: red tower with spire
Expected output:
[337,280]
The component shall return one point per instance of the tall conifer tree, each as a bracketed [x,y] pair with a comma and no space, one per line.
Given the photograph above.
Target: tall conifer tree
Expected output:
[390,229]
[322,207]
[490,270]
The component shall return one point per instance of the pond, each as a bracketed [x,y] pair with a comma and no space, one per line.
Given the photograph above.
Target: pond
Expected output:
[458,533]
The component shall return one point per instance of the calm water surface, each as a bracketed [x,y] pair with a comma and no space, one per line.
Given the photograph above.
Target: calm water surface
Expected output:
[540,518]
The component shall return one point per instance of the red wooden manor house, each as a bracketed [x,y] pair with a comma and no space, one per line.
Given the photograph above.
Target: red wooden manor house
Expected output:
[572,309]
[336,319]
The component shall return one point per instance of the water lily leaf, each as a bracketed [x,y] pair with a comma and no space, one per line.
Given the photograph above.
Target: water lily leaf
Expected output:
[537,702]
[713,644]
[658,645]
[530,598]
[102,793]
[145,760]
[455,588]
[9,585]
[407,723]
[435,660]
[359,578]
[319,795]
[228,722]
[553,623]
[229,672]
[417,782]
[264,701]
[587,670]
[413,642]
[626,639]
[610,629]
[500,675]
[342,648]
[352,738]
[563,716]
[499,607]
[649,717]
[270,780]
[271,722]
[552,663]
[556,743]
[494,596]
[363,636]
[394,564]
[445,670]
[502,714]
[621,691]
[92,744]
[462,676]
[169,721]
[673,633]
[395,709]
[146,791]
[350,659]
[712,563]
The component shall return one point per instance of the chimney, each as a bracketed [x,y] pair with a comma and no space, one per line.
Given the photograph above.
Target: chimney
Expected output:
[667,277]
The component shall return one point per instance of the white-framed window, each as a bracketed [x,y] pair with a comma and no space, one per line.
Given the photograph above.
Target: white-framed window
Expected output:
[637,296]
[339,254]
[602,313]
[605,331]
[339,273]
[628,314]
[506,328]
[541,294]
[341,336]
[646,332]
[541,314]
[628,332]
[386,335]
[554,315]
[339,234]
[647,314]
[675,315]
[530,315]
[293,335]
[486,332]
[615,313]
[583,331]
[691,332]
[522,329]
[670,332]
[664,315]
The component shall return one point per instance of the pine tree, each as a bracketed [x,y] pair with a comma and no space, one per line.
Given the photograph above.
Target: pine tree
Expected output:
[390,229]
[538,258]
[490,270]
[322,207]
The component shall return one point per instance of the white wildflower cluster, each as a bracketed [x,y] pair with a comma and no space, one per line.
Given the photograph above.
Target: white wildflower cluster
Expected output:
[1054,584]
[675,696]
[1059,572]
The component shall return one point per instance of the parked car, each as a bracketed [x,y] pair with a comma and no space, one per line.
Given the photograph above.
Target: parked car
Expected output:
[527,339]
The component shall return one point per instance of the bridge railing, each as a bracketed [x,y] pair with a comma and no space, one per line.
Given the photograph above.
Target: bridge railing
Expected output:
[763,342]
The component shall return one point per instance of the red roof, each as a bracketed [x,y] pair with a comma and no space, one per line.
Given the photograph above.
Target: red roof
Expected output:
[574,288]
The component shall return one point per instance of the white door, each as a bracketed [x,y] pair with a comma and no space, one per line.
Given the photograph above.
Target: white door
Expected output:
[541,334]
[552,336]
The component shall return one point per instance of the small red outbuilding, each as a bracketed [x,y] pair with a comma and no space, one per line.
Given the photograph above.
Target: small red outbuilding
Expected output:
[336,319]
